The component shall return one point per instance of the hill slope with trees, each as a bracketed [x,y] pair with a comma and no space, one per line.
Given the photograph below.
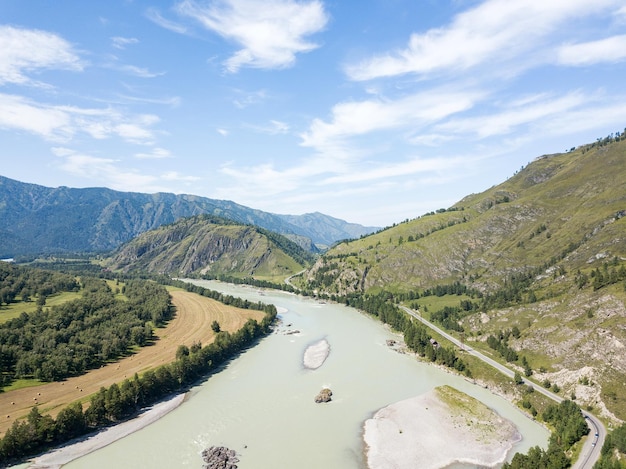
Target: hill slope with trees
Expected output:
[538,262]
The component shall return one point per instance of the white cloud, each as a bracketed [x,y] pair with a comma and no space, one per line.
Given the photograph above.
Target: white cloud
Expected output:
[395,170]
[492,32]
[533,110]
[62,123]
[361,117]
[270,34]
[121,42]
[155,154]
[611,49]
[222,132]
[114,173]
[46,121]
[23,51]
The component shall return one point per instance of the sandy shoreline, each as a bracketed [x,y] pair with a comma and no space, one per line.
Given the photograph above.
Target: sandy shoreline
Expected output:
[60,456]
[316,354]
[433,431]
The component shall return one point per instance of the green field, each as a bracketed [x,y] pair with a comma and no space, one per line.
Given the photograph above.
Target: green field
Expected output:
[16,308]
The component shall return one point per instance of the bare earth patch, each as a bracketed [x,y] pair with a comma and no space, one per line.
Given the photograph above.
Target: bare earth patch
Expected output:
[194,316]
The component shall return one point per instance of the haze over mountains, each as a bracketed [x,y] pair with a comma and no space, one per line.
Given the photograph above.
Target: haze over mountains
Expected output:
[39,220]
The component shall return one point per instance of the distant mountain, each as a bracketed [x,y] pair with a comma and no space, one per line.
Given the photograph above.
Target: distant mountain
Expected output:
[326,229]
[206,244]
[36,219]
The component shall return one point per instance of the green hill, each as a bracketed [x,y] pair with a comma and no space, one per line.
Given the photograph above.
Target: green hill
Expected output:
[544,252]
[208,245]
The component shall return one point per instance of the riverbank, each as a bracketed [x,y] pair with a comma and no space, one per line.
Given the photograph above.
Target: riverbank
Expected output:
[436,430]
[57,458]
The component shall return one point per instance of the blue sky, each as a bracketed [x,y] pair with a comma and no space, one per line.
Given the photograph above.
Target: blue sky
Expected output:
[373,111]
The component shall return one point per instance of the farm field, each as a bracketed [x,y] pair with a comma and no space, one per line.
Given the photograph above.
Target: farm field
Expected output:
[192,323]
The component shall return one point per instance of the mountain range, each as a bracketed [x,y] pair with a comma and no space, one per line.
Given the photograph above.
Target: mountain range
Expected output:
[39,220]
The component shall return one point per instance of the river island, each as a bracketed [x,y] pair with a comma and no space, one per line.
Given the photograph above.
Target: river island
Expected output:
[436,429]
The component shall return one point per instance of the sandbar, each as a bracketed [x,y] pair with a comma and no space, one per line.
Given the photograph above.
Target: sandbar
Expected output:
[63,455]
[435,430]
[315,355]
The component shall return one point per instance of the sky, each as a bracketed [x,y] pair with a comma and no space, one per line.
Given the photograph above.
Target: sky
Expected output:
[373,112]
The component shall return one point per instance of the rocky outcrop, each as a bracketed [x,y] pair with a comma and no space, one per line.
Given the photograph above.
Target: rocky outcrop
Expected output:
[325,395]
[219,457]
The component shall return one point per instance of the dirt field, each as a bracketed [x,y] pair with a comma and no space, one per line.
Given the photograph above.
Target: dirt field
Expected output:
[194,316]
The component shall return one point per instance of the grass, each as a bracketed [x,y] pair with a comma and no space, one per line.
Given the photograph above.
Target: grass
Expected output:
[22,384]
[13,310]
[436,303]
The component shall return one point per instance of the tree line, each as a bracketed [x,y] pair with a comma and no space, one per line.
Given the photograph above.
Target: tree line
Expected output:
[120,401]
[416,336]
[569,426]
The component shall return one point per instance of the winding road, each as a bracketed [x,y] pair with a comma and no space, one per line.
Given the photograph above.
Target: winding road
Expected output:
[592,446]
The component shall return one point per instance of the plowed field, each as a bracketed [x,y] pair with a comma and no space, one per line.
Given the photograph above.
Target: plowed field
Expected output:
[192,323]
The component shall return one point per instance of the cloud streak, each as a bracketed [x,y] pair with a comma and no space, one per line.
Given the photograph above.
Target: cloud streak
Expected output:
[496,31]
[61,123]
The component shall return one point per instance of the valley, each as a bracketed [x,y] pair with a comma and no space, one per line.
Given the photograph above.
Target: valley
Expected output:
[529,275]
[191,324]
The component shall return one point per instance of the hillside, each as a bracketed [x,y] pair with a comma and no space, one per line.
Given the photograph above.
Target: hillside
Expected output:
[545,251]
[211,245]
[39,220]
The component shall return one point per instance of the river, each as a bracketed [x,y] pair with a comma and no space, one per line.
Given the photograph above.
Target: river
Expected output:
[262,403]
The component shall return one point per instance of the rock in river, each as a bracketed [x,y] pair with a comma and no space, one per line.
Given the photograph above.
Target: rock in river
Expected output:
[324,396]
[219,457]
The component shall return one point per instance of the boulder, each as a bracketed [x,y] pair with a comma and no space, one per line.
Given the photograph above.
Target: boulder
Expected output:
[324,396]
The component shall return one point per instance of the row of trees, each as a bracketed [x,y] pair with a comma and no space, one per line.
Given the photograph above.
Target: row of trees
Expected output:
[120,401]
[416,335]
[68,339]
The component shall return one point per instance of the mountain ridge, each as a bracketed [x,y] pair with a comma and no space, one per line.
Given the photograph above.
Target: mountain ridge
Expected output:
[40,220]
[213,246]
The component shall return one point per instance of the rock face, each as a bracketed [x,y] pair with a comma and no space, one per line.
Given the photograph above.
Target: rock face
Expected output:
[219,457]
[324,396]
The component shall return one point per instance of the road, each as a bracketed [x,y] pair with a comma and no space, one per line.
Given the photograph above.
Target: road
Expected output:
[592,446]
